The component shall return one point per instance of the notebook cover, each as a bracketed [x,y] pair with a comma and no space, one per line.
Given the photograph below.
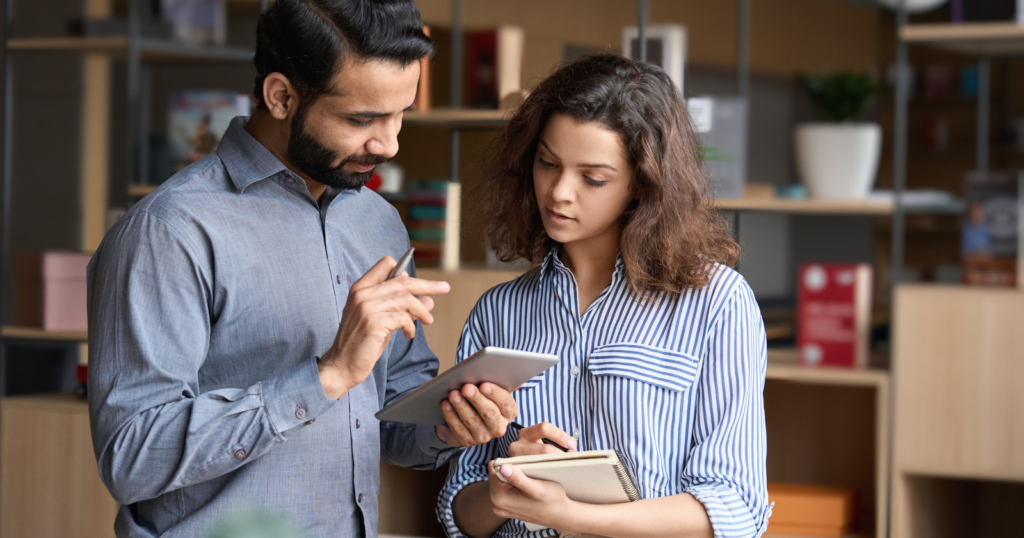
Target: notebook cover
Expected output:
[593,476]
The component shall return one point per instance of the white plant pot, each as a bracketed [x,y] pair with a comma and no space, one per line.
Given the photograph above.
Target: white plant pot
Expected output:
[838,160]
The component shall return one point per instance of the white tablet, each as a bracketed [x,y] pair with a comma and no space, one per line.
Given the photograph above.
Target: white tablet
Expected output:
[506,368]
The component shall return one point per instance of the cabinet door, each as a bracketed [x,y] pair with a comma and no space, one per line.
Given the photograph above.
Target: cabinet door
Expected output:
[959,372]
[50,486]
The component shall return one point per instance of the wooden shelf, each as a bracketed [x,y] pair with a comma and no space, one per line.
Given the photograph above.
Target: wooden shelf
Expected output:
[138,191]
[152,50]
[810,206]
[461,118]
[979,38]
[33,333]
[782,367]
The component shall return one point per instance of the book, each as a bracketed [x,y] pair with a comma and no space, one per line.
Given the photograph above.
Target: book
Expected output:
[494,65]
[833,320]
[721,123]
[422,103]
[434,221]
[810,510]
[197,120]
[591,476]
[666,48]
[196,22]
[990,234]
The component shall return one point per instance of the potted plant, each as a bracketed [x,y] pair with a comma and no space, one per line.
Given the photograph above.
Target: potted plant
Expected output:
[838,157]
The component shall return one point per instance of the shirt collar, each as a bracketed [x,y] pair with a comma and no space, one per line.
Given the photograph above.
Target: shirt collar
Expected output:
[245,158]
[553,263]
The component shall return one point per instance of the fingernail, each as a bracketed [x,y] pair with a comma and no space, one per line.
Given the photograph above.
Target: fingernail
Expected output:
[486,389]
[506,471]
[571,443]
[443,286]
[470,391]
[447,406]
[455,398]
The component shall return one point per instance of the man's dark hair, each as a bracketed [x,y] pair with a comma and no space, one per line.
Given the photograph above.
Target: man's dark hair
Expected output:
[305,40]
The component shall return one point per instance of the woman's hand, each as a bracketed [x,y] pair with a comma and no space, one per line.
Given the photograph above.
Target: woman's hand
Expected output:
[531,440]
[523,498]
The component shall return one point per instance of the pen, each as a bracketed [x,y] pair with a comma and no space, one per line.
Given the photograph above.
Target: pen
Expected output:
[402,264]
[518,427]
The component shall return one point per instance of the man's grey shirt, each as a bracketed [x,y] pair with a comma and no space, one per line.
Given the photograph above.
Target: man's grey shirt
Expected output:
[209,302]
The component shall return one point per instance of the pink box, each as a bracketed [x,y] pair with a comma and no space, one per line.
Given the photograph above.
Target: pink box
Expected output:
[50,290]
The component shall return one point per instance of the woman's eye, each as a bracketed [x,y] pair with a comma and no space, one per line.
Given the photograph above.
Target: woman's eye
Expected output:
[594,182]
[358,123]
[545,163]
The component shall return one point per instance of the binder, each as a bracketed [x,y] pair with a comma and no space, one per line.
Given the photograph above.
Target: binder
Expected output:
[592,476]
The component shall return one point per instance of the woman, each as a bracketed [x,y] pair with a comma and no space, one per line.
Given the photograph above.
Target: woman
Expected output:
[598,181]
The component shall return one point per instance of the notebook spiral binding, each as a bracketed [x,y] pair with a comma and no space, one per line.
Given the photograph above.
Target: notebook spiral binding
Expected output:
[627,482]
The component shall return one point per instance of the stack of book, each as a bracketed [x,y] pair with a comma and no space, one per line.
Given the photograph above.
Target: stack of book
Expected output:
[434,208]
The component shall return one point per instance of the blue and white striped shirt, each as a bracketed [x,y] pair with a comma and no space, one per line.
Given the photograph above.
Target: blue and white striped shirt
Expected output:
[674,384]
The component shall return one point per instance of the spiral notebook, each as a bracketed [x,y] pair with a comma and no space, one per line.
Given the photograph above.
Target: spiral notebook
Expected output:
[592,476]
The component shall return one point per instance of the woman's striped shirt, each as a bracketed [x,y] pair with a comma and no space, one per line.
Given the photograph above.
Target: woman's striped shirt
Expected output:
[673,383]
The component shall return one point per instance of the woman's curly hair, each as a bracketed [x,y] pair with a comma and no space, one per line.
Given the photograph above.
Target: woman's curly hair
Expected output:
[671,236]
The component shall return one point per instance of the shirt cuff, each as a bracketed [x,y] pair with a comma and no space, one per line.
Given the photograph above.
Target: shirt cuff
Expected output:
[729,515]
[432,445]
[295,396]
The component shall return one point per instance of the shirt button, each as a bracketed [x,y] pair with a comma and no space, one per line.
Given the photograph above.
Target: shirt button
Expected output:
[310,421]
[575,370]
[300,412]
[576,433]
[239,454]
[357,424]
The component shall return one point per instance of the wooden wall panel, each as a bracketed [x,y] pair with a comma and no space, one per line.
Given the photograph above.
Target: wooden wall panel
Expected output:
[787,36]
[452,310]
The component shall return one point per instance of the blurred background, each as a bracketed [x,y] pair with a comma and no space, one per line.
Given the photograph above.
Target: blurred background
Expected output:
[866,154]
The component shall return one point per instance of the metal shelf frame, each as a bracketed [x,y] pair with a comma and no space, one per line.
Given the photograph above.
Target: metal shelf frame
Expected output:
[138,53]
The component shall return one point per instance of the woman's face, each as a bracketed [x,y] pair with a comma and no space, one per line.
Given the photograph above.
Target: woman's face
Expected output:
[582,179]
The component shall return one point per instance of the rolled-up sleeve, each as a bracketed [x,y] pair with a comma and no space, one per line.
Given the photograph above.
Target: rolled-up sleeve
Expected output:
[153,429]
[726,467]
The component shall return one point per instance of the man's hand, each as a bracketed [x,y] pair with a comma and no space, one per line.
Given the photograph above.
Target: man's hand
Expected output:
[531,440]
[476,415]
[376,307]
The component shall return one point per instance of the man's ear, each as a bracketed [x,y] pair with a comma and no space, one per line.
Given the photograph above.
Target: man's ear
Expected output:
[280,96]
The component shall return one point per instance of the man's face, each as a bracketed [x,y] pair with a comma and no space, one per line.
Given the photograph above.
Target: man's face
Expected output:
[338,137]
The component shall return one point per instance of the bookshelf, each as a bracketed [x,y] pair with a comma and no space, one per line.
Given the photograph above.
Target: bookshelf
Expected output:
[976,39]
[33,333]
[151,50]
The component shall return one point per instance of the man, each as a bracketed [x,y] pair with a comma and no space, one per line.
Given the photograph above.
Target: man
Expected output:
[242,330]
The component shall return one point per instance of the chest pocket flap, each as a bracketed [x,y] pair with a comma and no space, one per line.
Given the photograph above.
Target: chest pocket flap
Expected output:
[665,368]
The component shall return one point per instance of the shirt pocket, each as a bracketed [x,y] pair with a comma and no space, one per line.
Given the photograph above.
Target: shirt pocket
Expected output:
[665,368]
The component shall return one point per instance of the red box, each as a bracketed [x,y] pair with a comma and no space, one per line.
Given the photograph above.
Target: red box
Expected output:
[834,314]
[50,290]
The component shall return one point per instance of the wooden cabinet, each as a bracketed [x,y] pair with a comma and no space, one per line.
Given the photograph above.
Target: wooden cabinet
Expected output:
[959,424]
[50,487]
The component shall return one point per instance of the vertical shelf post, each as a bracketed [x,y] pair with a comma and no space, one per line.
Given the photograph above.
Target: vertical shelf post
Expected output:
[643,8]
[95,136]
[899,140]
[984,107]
[456,84]
[743,51]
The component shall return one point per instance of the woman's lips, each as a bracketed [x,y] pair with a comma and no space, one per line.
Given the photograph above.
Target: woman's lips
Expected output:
[559,218]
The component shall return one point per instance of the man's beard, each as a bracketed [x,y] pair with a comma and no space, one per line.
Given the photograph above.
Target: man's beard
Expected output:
[315,159]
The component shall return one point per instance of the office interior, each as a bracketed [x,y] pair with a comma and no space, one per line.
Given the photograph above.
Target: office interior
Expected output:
[926,434]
